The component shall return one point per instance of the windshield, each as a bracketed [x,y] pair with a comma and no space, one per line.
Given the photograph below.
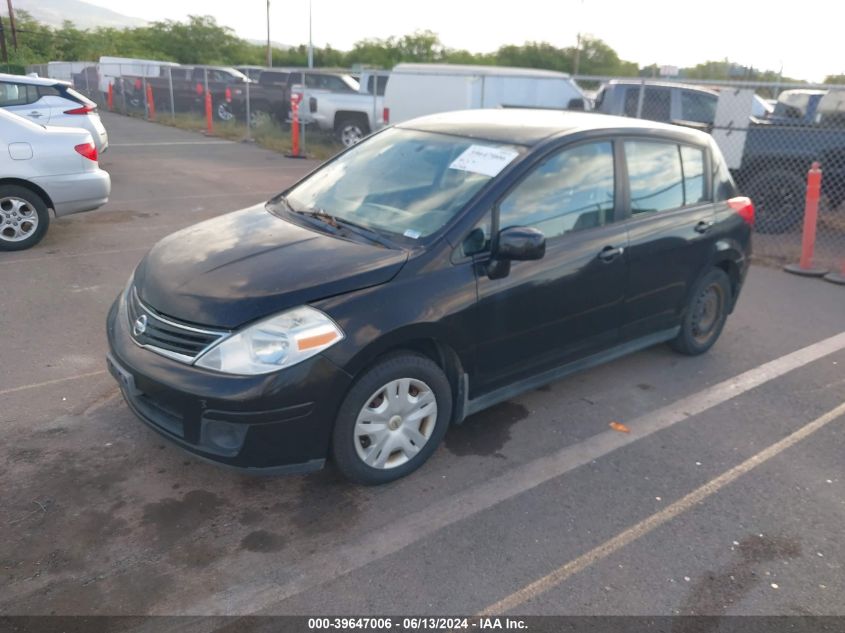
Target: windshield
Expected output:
[403,182]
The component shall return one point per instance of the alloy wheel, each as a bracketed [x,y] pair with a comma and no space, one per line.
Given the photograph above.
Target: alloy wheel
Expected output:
[351,134]
[18,219]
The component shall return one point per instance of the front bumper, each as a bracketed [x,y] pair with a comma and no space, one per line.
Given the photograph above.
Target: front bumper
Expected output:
[276,423]
[74,193]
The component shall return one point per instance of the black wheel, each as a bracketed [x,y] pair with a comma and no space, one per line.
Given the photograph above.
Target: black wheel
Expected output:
[351,130]
[705,314]
[778,198]
[392,419]
[23,218]
[224,111]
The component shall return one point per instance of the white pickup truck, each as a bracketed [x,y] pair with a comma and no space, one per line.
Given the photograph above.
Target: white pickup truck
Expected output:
[336,102]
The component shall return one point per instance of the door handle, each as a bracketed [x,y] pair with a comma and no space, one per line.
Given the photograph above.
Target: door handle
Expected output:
[703,226]
[609,253]
[36,114]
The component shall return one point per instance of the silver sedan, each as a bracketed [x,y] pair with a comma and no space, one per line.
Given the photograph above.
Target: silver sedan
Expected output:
[44,168]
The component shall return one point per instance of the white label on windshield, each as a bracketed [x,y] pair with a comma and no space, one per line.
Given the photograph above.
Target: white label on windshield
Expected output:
[414,235]
[481,159]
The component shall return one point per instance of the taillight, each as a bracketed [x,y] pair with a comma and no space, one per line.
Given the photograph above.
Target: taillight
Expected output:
[312,104]
[386,115]
[744,207]
[138,84]
[199,88]
[88,150]
[228,94]
[83,109]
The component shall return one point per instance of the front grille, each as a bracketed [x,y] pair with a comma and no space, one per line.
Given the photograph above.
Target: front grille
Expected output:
[164,335]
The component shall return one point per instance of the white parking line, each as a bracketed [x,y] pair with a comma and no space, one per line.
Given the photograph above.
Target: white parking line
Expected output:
[47,383]
[262,594]
[554,578]
[26,260]
[156,143]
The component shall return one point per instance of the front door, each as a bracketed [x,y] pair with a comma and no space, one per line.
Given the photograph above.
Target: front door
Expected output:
[568,304]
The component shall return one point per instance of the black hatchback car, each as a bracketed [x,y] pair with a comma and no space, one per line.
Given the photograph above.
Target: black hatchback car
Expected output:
[437,268]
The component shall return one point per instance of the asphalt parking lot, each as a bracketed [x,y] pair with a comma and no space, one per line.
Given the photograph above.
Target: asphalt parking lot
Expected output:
[727,497]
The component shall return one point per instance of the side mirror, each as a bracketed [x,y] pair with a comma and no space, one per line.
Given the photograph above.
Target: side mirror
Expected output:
[520,243]
[517,243]
[576,104]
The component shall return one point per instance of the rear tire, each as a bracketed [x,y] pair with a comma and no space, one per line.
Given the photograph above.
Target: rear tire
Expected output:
[705,314]
[392,419]
[351,130]
[23,218]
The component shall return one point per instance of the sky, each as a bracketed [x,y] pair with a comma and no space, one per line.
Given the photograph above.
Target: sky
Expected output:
[804,40]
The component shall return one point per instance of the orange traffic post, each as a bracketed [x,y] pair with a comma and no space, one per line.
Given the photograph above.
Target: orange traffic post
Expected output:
[209,124]
[805,266]
[110,97]
[294,127]
[151,104]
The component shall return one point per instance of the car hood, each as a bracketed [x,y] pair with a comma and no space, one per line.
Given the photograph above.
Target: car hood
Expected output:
[249,264]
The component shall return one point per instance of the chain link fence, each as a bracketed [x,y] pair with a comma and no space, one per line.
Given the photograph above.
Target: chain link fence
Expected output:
[770,133]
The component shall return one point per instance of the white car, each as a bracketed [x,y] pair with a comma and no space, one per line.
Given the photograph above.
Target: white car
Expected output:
[52,102]
[44,168]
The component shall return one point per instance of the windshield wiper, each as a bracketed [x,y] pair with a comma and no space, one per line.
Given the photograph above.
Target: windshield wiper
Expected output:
[342,223]
[336,224]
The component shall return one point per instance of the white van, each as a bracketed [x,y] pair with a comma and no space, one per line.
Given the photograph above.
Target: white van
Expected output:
[110,69]
[419,89]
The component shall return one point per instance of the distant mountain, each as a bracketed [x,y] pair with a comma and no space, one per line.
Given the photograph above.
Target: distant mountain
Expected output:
[82,14]
[273,43]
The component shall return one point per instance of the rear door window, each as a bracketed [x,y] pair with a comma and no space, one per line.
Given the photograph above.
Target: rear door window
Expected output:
[273,78]
[13,94]
[655,176]
[657,103]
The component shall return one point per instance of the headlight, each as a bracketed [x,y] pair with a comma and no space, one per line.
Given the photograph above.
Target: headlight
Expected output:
[275,343]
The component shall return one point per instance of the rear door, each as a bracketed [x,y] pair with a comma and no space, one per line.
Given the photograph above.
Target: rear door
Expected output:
[24,100]
[568,304]
[670,230]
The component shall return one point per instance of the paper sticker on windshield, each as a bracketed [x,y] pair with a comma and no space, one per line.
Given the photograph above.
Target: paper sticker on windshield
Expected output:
[481,159]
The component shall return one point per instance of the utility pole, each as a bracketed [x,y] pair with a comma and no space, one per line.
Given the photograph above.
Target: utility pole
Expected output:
[12,24]
[310,41]
[577,62]
[577,56]
[3,51]
[269,49]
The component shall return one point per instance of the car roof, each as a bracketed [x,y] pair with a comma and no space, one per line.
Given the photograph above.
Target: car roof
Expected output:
[662,84]
[467,69]
[526,126]
[32,81]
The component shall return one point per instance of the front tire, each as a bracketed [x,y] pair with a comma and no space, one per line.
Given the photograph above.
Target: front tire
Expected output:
[705,314]
[23,218]
[392,419]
